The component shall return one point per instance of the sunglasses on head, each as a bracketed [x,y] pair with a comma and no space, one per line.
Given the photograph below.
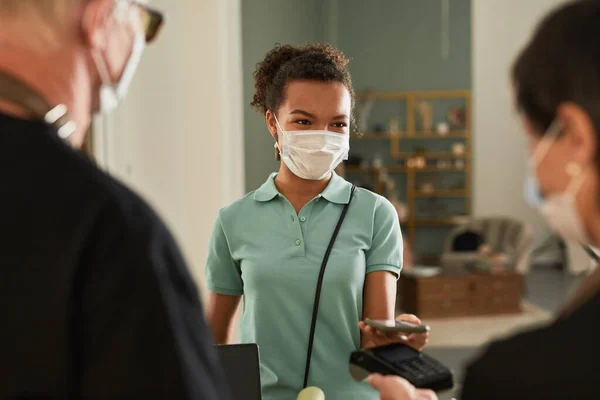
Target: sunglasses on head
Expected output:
[152,20]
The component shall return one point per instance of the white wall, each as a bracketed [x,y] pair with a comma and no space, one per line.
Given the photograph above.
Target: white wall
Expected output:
[500,29]
[178,137]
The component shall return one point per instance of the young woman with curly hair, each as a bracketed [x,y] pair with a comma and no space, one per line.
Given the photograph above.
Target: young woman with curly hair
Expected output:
[269,246]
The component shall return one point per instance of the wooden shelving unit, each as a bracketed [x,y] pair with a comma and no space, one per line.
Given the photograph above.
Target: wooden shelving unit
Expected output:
[433,155]
[434,222]
[401,169]
[404,135]
[441,193]
[394,140]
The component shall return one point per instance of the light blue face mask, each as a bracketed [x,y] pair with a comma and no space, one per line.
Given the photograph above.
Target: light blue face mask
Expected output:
[559,209]
[533,196]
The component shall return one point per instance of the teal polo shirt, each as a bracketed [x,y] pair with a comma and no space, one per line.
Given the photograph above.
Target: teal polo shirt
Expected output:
[261,249]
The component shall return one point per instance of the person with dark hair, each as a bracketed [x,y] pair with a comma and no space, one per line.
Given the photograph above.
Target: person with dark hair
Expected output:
[557,92]
[270,246]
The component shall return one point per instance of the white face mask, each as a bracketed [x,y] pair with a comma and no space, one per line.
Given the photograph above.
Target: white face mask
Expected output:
[559,210]
[112,93]
[313,154]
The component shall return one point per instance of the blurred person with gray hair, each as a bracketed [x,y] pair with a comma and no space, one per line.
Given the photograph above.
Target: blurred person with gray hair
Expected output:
[96,300]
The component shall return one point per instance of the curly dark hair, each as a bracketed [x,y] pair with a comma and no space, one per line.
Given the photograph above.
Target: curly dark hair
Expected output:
[285,64]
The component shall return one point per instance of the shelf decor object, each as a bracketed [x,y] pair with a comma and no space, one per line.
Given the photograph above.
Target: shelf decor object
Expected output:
[458,149]
[391,194]
[394,126]
[443,128]
[420,142]
[379,129]
[457,117]
[426,115]
[364,111]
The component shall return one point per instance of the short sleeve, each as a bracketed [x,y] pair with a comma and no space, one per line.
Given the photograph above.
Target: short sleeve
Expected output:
[223,274]
[385,253]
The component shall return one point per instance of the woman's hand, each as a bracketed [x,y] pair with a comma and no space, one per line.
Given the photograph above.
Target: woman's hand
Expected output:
[374,337]
[395,388]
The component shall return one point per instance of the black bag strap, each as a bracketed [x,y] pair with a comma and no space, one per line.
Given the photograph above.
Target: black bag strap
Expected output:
[591,253]
[313,323]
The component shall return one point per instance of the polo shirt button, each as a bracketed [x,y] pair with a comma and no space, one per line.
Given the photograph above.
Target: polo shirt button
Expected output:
[303,219]
[298,242]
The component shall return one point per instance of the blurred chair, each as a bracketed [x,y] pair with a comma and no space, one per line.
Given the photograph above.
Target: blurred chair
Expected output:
[510,238]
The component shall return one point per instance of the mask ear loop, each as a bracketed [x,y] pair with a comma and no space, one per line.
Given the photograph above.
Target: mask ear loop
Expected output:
[277,122]
[101,67]
[122,12]
[547,141]
[575,171]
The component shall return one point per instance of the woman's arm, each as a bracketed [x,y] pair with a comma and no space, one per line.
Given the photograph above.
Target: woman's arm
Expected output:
[221,315]
[379,302]
[225,284]
[384,261]
[379,299]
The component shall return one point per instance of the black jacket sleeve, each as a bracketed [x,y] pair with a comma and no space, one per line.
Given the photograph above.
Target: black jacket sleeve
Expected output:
[138,327]
[557,361]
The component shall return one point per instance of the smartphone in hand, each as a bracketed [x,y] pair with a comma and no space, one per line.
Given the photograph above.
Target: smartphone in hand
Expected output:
[397,326]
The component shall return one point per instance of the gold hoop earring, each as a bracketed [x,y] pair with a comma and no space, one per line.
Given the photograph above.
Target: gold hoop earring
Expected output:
[277,155]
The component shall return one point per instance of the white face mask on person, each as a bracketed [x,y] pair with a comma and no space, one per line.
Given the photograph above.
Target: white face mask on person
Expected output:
[559,210]
[313,154]
[111,93]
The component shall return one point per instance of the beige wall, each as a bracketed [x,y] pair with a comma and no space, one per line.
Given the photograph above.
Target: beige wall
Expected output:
[500,29]
[178,137]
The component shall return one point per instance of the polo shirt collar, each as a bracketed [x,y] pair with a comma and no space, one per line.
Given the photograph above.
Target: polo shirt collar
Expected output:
[337,190]
[268,191]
